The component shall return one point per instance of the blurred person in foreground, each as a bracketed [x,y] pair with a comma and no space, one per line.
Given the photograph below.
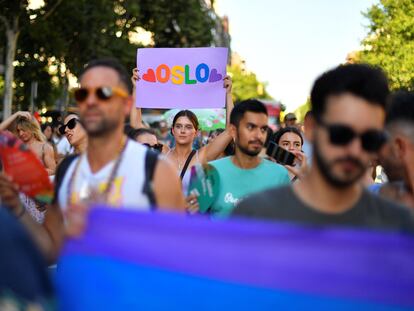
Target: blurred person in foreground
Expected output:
[24,280]
[246,172]
[307,146]
[113,170]
[348,104]
[397,158]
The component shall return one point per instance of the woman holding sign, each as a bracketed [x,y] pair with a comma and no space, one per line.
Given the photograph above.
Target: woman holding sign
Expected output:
[185,129]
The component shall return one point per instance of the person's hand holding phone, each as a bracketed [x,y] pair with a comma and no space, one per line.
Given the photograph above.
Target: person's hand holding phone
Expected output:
[294,160]
[300,169]
[279,154]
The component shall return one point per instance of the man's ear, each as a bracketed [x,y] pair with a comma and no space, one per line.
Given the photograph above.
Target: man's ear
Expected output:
[400,147]
[233,131]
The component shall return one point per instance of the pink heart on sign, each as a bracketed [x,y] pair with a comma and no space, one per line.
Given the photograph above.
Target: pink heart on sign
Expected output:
[149,76]
[215,76]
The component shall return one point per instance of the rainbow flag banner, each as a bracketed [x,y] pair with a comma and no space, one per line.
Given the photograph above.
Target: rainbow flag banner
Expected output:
[129,260]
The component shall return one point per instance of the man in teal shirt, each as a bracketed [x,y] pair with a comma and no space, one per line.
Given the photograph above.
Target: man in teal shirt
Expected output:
[246,173]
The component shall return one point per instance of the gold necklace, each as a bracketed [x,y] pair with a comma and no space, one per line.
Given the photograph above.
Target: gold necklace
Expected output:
[180,163]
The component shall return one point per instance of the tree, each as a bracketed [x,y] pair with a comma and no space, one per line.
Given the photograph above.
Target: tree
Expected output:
[15,17]
[246,85]
[67,34]
[390,42]
[180,23]
[301,111]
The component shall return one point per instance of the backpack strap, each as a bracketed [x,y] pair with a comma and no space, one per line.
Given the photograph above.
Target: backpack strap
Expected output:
[187,162]
[151,159]
[60,174]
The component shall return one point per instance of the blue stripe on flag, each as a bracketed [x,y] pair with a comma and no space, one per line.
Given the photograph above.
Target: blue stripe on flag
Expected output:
[109,284]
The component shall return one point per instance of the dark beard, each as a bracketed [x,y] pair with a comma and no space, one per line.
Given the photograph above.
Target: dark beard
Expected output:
[325,169]
[246,151]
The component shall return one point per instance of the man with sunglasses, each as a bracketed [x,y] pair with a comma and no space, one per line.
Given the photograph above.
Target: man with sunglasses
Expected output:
[348,105]
[113,171]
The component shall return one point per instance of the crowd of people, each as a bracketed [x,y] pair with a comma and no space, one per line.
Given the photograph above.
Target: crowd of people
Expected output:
[96,158]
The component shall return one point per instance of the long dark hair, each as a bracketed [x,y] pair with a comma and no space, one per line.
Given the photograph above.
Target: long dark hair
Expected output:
[289,129]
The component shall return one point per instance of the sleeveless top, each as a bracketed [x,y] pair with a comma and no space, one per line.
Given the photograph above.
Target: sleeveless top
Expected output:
[126,190]
[185,182]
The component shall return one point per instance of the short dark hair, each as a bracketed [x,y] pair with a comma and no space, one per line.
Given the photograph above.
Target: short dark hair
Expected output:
[251,105]
[44,126]
[135,133]
[114,64]
[401,108]
[288,129]
[361,80]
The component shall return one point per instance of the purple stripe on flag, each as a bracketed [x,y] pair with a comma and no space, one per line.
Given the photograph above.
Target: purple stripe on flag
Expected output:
[337,262]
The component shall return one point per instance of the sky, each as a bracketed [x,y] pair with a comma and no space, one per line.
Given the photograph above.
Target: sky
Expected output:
[288,44]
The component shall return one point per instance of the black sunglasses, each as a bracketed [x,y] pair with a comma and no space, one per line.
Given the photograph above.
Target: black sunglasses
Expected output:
[372,140]
[70,125]
[103,93]
[156,147]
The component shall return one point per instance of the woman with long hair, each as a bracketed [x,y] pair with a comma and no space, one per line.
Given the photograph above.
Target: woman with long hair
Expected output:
[291,139]
[23,125]
[28,130]
[185,129]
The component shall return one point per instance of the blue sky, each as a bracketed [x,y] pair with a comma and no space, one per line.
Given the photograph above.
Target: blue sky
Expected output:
[289,43]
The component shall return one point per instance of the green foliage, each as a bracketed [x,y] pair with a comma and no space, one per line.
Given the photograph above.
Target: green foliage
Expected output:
[1,85]
[67,34]
[301,111]
[390,42]
[179,23]
[246,85]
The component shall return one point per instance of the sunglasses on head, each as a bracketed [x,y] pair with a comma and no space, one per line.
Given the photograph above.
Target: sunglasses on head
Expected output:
[341,135]
[103,93]
[70,125]
[156,147]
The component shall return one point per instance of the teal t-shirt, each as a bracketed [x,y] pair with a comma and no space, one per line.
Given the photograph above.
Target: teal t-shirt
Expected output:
[237,183]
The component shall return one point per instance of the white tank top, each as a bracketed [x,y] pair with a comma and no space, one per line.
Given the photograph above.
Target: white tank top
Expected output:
[127,188]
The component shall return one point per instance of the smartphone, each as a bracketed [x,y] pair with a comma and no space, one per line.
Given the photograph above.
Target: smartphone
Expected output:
[282,156]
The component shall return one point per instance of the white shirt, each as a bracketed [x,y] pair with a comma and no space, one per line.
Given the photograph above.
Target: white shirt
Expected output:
[127,187]
[63,147]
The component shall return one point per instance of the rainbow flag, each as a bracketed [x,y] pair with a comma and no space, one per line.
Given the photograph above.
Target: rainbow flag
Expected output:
[129,260]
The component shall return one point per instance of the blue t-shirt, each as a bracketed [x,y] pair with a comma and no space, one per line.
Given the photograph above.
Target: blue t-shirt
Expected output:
[237,183]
